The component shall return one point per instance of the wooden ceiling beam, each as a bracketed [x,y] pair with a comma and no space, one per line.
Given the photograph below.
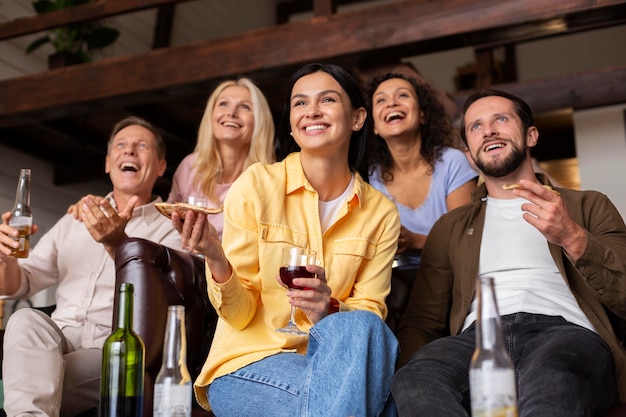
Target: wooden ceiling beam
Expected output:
[395,30]
[90,11]
[163,29]
[285,9]
[603,87]
[323,8]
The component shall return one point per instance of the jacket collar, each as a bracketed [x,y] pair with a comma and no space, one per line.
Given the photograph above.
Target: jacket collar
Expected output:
[297,180]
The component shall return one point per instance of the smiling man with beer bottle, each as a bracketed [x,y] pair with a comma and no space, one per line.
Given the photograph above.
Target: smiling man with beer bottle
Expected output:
[51,365]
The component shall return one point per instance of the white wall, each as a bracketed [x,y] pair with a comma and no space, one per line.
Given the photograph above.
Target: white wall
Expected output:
[572,53]
[601,148]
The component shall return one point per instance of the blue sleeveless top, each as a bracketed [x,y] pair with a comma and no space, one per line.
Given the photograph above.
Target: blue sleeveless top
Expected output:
[450,172]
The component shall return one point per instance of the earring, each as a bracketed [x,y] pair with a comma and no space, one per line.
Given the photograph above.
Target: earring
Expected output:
[291,134]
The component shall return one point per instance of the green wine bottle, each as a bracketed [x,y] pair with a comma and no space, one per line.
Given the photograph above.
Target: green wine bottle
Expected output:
[123,357]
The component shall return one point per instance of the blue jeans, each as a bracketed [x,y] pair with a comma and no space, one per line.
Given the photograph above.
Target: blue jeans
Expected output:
[562,370]
[346,371]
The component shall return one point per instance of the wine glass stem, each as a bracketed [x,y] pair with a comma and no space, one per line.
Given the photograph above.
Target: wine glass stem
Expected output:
[292,316]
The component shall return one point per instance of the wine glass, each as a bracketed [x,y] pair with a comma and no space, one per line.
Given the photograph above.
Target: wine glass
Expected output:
[293,265]
[197,201]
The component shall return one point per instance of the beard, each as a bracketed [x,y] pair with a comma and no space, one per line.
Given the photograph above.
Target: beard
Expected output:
[501,167]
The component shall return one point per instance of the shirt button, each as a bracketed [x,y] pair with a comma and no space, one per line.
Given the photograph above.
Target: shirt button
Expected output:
[600,292]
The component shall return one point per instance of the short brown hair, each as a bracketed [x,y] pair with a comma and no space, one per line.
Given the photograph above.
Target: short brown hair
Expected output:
[522,108]
[138,121]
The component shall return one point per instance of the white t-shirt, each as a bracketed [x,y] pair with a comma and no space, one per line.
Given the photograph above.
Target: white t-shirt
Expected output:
[329,209]
[526,278]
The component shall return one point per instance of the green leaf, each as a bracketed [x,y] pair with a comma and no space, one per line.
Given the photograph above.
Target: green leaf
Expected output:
[79,38]
[101,37]
[84,55]
[37,43]
[46,6]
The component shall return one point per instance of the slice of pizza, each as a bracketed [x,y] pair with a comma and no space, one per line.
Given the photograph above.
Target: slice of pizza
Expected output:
[514,186]
[167,209]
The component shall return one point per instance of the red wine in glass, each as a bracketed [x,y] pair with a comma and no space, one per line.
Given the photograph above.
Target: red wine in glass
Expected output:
[288,273]
[293,265]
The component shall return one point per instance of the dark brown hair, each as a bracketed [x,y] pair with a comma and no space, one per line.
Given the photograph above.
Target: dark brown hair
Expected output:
[522,109]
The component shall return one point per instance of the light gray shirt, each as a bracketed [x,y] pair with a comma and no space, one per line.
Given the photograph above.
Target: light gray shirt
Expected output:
[67,255]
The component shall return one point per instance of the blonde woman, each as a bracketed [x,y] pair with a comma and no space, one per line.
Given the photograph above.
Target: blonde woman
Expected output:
[236,131]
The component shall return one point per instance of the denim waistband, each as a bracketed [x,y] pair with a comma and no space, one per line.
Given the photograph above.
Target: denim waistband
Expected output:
[525,318]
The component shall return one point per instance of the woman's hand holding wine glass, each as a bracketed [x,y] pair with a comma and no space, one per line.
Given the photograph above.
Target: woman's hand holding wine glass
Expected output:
[316,299]
[307,285]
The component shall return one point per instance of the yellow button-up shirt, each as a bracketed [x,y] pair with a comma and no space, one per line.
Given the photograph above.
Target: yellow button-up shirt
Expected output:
[273,206]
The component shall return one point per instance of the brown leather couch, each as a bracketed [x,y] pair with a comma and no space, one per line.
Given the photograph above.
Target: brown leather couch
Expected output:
[161,277]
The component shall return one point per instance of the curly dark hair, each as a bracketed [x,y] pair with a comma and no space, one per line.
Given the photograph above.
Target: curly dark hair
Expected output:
[437,130]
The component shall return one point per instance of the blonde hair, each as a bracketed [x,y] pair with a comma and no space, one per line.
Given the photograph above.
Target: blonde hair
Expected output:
[208,164]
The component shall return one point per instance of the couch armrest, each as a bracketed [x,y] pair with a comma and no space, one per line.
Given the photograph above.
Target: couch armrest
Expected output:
[161,277]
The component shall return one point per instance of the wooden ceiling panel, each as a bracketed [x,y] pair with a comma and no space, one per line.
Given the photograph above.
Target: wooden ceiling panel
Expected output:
[68,113]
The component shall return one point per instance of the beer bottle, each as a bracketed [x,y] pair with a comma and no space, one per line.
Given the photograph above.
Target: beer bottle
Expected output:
[21,216]
[172,387]
[123,356]
[493,389]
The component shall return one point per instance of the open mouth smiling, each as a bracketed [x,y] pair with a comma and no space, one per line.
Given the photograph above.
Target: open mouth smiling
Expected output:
[231,124]
[494,146]
[314,128]
[396,115]
[129,167]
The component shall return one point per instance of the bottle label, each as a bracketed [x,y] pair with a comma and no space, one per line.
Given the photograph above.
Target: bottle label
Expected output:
[493,393]
[21,221]
[23,226]
[172,400]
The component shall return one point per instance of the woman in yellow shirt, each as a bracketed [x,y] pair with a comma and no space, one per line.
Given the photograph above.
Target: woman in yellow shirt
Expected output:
[314,198]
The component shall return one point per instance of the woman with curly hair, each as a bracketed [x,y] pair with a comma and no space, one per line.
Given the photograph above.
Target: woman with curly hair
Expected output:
[414,161]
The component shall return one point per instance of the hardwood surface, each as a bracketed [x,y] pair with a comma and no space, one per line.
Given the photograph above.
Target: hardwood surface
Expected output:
[65,115]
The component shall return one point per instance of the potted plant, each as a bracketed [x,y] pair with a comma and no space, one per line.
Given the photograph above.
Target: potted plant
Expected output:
[75,43]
